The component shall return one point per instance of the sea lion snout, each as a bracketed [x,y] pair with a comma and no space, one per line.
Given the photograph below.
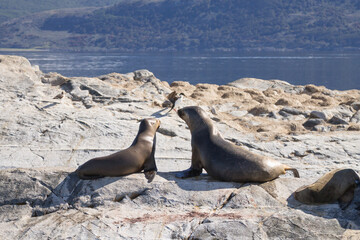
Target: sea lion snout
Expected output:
[153,121]
[158,123]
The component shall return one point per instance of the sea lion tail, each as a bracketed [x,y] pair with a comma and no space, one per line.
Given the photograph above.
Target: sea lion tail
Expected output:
[294,170]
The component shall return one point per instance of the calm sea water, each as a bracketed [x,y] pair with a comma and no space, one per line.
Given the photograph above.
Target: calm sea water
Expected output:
[333,70]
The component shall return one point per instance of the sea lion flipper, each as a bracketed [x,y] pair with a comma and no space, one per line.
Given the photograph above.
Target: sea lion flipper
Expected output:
[195,169]
[294,170]
[346,198]
[191,172]
[150,175]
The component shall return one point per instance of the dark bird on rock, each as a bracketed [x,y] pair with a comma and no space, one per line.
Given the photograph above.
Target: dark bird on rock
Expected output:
[175,100]
[59,96]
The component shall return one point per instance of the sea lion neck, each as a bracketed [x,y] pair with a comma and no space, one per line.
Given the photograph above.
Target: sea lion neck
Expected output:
[199,125]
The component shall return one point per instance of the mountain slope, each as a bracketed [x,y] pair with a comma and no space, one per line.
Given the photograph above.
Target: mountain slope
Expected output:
[16,8]
[211,25]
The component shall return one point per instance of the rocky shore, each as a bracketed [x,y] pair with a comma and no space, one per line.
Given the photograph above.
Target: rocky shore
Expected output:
[51,124]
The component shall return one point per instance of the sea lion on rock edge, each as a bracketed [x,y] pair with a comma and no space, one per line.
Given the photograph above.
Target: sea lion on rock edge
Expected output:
[222,159]
[139,156]
[338,184]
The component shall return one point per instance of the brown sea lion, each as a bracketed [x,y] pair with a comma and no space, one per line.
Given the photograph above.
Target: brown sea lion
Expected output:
[139,156]
[222,159]
[339,184]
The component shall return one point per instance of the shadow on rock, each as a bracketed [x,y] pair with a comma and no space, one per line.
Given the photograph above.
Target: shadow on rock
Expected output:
[74,192]
[347,218]
[204,182]
[160,113]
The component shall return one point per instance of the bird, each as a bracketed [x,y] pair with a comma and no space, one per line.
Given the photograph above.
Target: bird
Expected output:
[175,100]
[59,96]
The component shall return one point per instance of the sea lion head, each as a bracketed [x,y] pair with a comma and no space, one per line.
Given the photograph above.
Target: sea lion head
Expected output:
[304,195]
[194,116]
[152,124]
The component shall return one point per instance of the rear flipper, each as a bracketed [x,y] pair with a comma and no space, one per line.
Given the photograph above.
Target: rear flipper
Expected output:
[294,170]
[149,175]
[191,172]
[346,198]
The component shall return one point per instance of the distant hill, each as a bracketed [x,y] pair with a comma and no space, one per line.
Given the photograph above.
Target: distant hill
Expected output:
[16,8]
[196,25]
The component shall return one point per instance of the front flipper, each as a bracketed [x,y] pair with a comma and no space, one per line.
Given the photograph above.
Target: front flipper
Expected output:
[346,198]
[191,172]
[195,169]
[149,175]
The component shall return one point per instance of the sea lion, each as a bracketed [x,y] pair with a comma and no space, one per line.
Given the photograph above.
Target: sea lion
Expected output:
[222,159]
[139,156]
[339,184]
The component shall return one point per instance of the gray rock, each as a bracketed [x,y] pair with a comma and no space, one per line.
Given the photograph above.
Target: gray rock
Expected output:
[55,79]
[318,114]
[337,120]
[143,75]
[356,117]
[265,84]
[356,106]
[274,115]
[292,111]
[312,122]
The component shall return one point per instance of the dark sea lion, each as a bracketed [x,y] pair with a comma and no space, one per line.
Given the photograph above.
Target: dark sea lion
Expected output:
[139,156]
[222,159]
[338,184]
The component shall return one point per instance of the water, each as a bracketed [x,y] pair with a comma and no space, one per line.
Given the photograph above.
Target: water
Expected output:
[333,70]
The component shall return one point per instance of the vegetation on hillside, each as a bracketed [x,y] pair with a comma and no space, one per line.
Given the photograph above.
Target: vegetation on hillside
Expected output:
[211,25]
[18,8]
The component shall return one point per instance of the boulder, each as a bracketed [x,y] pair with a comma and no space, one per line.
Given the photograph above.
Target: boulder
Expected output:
[312,122]
[265,84]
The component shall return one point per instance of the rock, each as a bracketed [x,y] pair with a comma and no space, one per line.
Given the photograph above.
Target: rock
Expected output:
[17,74]
[180,84]
[273,115]
[259,110]
[356,117]
[282,101]
[337,120]
[356,106]
[318,114]
[321,128]
[55,79]
[293,111]
[312,122]
[263,85]
[142,75]
[354,128]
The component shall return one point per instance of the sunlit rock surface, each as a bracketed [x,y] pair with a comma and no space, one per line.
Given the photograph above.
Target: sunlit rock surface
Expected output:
[50,124]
